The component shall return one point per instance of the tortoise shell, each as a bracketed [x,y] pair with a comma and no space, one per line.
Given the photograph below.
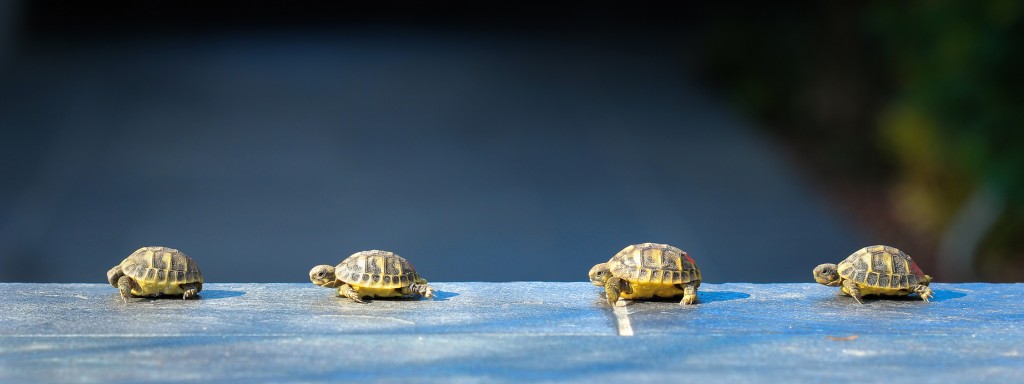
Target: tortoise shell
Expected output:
[882,266]
[376,269]
[161,265]
[658,264]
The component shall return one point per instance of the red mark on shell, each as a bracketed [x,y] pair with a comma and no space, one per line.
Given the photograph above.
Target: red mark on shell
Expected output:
[916,270]
[688,258]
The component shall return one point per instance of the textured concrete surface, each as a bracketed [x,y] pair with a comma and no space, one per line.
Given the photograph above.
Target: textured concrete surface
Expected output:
[510,332]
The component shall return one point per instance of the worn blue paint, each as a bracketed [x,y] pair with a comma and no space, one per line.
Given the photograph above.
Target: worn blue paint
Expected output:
[510,332]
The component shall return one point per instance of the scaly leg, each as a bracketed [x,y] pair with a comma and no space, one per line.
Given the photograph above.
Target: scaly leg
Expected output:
[124,284]
[924,291]
[853,290]
[191,290]
[422,289]
[614,288]
[346,290]
[689,293]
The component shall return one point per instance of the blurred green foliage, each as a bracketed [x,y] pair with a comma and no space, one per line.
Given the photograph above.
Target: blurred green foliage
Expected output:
[955,120]
[916,104]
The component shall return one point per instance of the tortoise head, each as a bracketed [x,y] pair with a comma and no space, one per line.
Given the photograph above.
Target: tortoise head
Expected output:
[600,274]
[827,274]
[323,275]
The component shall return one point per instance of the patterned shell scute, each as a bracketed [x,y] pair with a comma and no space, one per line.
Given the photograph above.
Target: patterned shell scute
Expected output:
[881,266]
[161,265]
[376,269]
[654,263]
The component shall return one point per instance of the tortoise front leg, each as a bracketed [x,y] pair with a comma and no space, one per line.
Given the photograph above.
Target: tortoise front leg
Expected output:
[614,288]
[191,290]
[690,293]
[125,284]
[346,290]
[853,290]
[924,291]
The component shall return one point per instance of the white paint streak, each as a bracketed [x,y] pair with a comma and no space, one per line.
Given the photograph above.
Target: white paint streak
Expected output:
[373,318]
[622,317]
[858,353]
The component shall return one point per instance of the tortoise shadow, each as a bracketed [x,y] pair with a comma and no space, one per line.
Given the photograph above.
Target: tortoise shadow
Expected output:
[703,297]
[444,295]
[438,296]
[203,295]
[215,294]
[938,295]
[716,296]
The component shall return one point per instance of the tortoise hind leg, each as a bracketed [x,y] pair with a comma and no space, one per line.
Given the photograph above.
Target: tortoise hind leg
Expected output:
[191,290]
[689,293]
[419,288]
[924,291]
[124,284]
[851,288]
[346,290]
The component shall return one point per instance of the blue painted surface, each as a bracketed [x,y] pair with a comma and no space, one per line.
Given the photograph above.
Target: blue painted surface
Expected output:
[511,332]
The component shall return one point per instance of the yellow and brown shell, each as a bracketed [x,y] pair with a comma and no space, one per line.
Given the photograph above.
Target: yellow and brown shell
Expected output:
[160,271]
[882,266]
[652,263]
[377,269]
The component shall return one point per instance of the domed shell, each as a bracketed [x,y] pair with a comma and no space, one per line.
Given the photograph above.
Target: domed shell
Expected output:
[376,269]
[161,265]
[882,266]
[654,263]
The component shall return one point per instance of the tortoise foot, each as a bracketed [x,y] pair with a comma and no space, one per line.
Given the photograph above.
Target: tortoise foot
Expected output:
[688,300]
[347,291]
[925,292]
[422,289]
[690,294]
[124,285]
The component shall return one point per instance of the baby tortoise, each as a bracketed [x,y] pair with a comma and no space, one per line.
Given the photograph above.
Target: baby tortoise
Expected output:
[156,271]
[876,270]
[372,274]
[648,270]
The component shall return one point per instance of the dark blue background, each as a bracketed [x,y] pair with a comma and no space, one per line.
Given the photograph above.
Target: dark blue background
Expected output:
[512,147]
